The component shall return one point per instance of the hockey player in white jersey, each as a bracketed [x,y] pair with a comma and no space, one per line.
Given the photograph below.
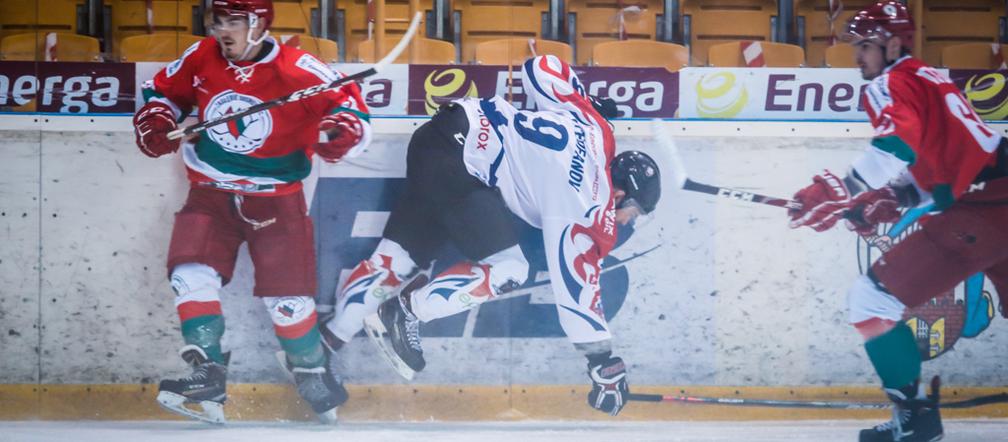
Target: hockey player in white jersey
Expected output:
[472,164]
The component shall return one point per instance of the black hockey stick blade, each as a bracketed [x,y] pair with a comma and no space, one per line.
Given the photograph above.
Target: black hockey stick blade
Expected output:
[306,92]
[743,402]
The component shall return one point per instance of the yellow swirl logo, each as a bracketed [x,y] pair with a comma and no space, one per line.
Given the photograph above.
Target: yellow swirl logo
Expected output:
[444,85]
[987,94]
[719,95]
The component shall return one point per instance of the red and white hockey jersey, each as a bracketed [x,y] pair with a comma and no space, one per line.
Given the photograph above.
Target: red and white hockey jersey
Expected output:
[265,153]
[925,133]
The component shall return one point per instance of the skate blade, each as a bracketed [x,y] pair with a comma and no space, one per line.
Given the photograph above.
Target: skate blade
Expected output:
[376,331]
[212,413]
[329,417]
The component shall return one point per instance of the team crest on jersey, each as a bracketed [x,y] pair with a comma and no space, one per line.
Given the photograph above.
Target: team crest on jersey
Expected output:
[243,135]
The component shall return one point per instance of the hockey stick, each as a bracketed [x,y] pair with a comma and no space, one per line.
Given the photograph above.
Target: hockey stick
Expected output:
[306,92]
[742,402]
[684,182]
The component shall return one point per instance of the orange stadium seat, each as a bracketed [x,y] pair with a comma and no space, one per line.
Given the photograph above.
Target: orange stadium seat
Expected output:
[129,17]
[776,55]
[641,53]
[813,14]
[485,20]
[161,46]
[949,22]
[840,55]
[325,50]
[31,47]
[291,18]
[718,21]
[429,51]
[515,51]
[397,20]
[971,56]
[21,16]
[598,22]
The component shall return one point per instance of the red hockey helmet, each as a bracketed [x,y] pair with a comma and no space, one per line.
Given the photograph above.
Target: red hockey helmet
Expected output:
[263,9]
[880,22]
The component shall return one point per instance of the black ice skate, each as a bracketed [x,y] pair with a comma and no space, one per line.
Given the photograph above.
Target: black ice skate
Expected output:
[396,332]
[915,419]
[321,391]
[204,387]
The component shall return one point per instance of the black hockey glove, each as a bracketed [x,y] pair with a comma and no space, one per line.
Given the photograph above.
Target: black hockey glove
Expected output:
[609,385]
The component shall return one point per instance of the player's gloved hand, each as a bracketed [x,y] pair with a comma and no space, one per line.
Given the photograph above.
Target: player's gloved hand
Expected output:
[151,125]
[345,130]
[823,203]
[609,385]
[869,209]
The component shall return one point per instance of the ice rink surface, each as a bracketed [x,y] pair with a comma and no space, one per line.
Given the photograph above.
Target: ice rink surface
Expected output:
[761,431]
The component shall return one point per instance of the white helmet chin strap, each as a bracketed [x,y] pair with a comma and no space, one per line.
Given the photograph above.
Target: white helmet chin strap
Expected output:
[253,21]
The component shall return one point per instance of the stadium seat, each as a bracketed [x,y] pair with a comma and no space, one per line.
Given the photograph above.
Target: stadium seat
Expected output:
[598,22]
[971,56]
[486,20]
[397,20]
[641,53]
[814,23]
[776,55]
[429,51]
[129,17]
[950,22]
[718,21]
[32,46]
[515,51]
[21,16]
[291,18]
[840,55]
[163,46]
[325,50]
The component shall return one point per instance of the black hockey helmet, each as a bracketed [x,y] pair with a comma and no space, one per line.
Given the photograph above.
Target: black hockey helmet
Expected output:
[637,174]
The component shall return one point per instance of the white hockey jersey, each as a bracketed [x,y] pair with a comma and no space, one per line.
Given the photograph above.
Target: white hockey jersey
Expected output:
[551,169]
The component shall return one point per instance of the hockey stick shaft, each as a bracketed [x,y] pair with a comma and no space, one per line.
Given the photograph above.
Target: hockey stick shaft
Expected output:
[682,180]
[739,195]
[306,92]
[966,403]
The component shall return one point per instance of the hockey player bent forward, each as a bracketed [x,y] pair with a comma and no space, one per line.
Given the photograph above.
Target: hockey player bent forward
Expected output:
[929,147]
[468,169]
[246,187]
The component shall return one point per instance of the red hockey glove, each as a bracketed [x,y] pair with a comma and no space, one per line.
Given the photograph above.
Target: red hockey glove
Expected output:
[151,124]
[823,203]
[869,209]
[345,130]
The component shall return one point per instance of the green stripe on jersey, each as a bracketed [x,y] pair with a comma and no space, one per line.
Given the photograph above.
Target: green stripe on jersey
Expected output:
[359,114]
[289,168]
[942,195]
[894,145]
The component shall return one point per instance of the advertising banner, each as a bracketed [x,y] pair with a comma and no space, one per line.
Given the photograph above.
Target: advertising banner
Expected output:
[771,94]
[638,92]
[984,90]
[73,88]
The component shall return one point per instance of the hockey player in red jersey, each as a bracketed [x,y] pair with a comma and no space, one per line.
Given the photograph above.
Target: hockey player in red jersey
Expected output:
[246,187]
[929,148]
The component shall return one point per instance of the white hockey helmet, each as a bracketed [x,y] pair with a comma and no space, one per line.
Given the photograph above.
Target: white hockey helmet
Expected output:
[554,86]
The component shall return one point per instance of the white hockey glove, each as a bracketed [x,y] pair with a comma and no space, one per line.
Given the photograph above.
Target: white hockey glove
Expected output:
[609,385]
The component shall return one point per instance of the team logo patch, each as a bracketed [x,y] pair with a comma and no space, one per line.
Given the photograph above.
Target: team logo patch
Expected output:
[290,310]
[243,135]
